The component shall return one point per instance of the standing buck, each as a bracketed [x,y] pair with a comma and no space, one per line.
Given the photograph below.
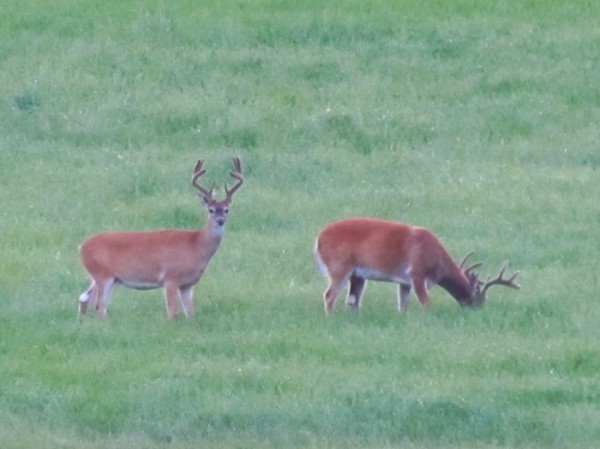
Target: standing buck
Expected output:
[357,249]
[173,259]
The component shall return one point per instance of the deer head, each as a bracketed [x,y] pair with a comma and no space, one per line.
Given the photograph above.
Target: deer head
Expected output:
[217,210]
[479,288]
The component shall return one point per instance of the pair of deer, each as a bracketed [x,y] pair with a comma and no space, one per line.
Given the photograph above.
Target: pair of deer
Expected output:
[354,250]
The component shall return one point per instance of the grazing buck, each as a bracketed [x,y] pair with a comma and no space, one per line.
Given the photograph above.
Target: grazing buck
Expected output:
[357,249]
[173,259]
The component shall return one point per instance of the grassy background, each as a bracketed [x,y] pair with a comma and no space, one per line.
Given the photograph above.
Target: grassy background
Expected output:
[478,120]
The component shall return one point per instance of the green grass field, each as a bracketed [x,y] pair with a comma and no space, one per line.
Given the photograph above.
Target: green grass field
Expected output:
[478,120]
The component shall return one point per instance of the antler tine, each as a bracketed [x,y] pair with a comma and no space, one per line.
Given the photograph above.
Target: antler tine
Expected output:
[462,264]
[237,169]
[236,174]
[472,267]
[498,280]
[199,171]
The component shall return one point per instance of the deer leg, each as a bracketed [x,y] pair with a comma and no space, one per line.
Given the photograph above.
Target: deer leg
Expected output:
[357,287]
[421,290]
[403,292]
[85,297]
[186,295]
[171,299]
[103,289]
[335,285]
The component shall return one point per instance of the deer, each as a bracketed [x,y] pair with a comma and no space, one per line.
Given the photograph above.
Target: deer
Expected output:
[172,259]
[358,249]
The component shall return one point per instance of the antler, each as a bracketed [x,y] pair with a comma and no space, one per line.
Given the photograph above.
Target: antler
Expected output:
[199,171]
[499,281]
[237,174]
[472,267]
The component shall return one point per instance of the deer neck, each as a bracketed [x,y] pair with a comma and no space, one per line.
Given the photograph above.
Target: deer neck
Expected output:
[458,285]
[209,237]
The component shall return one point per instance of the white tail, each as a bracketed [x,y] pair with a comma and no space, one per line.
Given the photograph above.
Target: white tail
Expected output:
[172,259]
[357,249]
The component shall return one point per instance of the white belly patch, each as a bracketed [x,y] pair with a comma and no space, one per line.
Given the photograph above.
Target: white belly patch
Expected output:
[401,277]
[137,285]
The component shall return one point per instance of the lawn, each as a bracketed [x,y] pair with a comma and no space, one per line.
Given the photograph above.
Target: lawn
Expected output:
[478,120]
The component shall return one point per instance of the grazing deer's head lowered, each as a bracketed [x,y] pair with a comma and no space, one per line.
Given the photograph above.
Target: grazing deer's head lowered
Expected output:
[173,259]
[477,296]
[359,249]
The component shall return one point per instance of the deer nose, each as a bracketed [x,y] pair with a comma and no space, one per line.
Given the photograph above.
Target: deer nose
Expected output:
[220,221]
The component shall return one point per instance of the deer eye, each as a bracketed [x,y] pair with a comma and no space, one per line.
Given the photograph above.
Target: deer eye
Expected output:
[226,210]
[211,210]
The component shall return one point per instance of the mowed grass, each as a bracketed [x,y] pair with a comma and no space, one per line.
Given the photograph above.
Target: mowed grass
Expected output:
[477,120]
